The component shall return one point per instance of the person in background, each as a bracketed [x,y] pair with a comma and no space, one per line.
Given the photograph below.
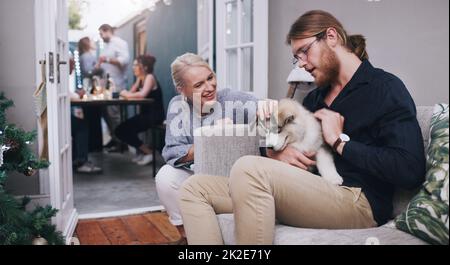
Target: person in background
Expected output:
[80,134]
[146,86]
[113,60]
[88,59]
[80,146]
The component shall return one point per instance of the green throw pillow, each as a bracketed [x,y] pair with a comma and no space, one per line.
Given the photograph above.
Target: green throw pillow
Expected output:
[427,214]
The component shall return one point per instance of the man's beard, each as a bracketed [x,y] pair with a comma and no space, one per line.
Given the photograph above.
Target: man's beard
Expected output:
[329,69]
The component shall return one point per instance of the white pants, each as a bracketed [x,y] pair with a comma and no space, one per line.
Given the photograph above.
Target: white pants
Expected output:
[168,182]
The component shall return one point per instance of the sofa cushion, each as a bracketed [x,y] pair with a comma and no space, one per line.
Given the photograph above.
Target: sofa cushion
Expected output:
[427,214]
[287,235]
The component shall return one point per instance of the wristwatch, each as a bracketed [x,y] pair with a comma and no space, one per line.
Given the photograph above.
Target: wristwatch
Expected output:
[343,138]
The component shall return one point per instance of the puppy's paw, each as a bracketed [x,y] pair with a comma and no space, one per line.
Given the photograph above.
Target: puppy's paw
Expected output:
[335,180]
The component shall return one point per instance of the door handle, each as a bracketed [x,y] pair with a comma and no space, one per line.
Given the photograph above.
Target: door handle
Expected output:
[43,64]
[58,64]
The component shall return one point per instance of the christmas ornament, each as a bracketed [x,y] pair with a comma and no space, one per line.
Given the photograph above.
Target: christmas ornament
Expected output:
[13,145]
[2,150]
[39,241]
[29,172]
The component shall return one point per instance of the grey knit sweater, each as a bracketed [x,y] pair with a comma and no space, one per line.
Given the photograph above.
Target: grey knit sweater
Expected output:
[181,120]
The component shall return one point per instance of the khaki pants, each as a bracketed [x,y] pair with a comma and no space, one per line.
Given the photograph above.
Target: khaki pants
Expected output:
[260,190]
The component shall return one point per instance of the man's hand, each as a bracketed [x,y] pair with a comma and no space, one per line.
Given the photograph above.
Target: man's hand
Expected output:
[113,61]
[293,157]
[332,125]
[102,59]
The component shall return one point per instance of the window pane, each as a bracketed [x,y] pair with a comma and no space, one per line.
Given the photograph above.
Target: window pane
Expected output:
[247,70]
[232,63]
[247,21]
[232,22]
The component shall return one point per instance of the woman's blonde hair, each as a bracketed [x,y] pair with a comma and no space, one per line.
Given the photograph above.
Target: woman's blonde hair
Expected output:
[184,62]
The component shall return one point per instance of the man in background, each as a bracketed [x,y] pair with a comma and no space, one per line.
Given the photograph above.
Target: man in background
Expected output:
[113,60]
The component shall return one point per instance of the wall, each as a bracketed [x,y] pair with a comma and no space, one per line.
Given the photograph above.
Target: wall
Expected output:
[126,32]
[17,76]
[408,38]
[171,31]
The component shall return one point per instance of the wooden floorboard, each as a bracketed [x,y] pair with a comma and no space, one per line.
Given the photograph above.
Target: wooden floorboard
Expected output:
[161,222]
[91,233]
[144,229]
[117,232]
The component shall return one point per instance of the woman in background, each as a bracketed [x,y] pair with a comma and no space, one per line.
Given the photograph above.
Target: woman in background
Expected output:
[146,86]
[87,57]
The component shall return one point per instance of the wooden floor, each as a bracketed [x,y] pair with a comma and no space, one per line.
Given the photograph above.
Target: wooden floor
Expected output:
[144,229]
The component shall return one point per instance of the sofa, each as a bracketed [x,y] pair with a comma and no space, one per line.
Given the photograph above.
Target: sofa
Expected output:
[217,149]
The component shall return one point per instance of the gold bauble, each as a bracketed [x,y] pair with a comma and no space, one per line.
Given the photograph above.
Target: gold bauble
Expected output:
[40,241]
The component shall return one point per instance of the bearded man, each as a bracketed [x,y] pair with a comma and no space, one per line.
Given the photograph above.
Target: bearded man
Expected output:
[368,118]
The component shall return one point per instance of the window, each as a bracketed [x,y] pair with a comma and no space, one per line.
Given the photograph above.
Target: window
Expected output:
[242,45]
[141,38]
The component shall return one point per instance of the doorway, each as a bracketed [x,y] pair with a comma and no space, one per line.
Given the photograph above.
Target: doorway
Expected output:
[122,188]
[109,182]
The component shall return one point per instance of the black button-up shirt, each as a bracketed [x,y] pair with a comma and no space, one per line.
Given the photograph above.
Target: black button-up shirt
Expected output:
[386,149]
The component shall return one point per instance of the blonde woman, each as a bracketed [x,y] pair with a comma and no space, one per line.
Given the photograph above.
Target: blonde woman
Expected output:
[196,82]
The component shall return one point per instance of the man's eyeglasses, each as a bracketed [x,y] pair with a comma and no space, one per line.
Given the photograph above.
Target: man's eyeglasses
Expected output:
[303,53]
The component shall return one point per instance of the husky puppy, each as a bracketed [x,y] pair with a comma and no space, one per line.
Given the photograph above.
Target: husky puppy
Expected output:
[297,127]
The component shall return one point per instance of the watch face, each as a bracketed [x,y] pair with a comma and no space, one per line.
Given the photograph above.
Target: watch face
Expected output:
[344,137]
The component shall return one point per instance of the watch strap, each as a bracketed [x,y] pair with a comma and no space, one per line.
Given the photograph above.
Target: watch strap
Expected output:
[336,144]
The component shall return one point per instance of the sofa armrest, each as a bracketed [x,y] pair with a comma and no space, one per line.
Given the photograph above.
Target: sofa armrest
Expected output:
[217,148]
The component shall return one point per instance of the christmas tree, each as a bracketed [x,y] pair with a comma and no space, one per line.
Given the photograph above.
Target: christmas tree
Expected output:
[18,226]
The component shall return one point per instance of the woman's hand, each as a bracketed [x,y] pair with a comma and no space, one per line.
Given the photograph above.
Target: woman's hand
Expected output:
[189,157]
[332,124]
[267,117]
[293,157]
[266,109]
[124,93]
[81,93]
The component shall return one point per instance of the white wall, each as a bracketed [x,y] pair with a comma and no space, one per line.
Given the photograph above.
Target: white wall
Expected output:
[17,75]
[408,38]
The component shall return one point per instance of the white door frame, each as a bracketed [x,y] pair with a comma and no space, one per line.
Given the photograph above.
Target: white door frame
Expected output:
[51,38]
[260,44]
[205,30]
